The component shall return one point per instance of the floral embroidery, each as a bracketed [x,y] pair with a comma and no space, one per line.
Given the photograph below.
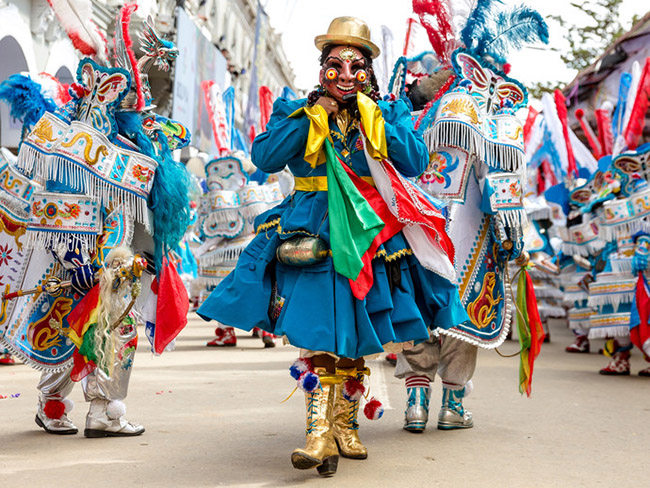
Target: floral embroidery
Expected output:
[72,211]
[5,254]
[437,166]
[440,165]
[142,173]
[515,189]
[51,210]
[358,145]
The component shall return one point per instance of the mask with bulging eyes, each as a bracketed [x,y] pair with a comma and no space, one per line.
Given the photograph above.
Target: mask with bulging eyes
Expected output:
[344,72]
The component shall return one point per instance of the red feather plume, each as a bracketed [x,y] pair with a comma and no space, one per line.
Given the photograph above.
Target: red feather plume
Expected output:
[124,19]
[435,17]
[75,17]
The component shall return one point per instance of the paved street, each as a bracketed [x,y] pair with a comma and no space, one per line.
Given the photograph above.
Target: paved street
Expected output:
[215,417]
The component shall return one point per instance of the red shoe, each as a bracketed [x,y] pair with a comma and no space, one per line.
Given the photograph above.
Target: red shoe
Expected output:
[267,339]
[645,372]
[225,338]
[7,359]
[581,345]
[619,365]
[391,358]
[256,332]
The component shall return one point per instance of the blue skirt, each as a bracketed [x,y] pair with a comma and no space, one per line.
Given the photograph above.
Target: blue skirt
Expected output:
[313,306]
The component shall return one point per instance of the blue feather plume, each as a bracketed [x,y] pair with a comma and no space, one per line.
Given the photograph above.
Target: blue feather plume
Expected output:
[478,23]
[130,126]
[169,198]
[26,100]
[169,201]
[512,29]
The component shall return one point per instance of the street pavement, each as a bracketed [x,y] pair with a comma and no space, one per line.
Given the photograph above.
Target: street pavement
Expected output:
[216,417]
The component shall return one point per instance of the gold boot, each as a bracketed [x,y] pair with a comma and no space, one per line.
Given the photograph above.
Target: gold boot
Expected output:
[320,450]
[346,427]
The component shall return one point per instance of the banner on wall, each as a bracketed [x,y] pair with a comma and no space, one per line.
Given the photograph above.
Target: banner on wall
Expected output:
[259,48]
[198,60]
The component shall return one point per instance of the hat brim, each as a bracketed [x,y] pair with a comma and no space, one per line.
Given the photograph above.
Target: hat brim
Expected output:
[340,40]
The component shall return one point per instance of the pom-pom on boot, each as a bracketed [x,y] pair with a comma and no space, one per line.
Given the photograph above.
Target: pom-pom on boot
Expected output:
[320,450]
[374,410]
[52,416]
[346,409]
[302,371]
[105,419]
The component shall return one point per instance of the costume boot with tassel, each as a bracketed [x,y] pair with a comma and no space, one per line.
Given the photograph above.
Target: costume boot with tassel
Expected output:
[320,451]
[346,408]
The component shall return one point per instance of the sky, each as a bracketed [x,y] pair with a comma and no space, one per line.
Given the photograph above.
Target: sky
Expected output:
[300,21]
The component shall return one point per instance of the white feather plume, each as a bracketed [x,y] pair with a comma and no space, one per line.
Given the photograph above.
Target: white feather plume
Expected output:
[75,18]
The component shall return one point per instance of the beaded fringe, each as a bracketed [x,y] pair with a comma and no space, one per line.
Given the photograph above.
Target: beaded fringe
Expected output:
[222,255]
[450,133]
[611,232]
[583,249]
[38,239]
[608,332]
[33,364]
[614,299]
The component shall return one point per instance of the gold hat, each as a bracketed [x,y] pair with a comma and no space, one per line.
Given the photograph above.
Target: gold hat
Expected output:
[348,31]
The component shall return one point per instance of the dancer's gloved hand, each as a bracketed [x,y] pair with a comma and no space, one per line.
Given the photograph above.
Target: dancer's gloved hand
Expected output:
[510,244]
[641,254]
[83,278]
[517,248]
[639,263]
[511,254]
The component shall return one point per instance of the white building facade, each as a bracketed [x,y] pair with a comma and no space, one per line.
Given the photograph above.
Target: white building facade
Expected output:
[31,40]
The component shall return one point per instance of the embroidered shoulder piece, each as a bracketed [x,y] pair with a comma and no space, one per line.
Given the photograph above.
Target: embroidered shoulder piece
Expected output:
[478,115]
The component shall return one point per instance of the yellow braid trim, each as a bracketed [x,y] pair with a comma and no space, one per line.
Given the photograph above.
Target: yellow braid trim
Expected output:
[267,225]
[396,255]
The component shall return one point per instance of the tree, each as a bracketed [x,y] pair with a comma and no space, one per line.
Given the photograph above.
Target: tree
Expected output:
[537,89]
[586,42]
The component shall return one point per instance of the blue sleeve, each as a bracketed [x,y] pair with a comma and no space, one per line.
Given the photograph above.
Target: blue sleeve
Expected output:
[406,148]
[284,138]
